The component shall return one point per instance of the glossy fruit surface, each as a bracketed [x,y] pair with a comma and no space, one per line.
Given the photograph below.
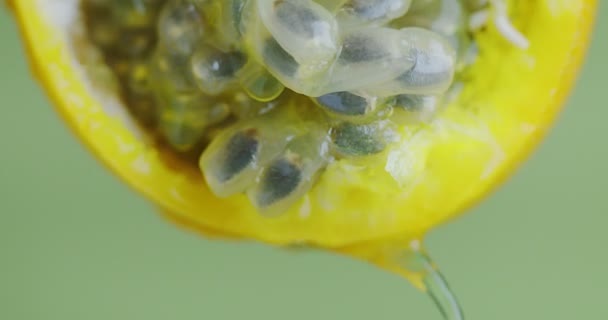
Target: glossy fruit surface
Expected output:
[510,99]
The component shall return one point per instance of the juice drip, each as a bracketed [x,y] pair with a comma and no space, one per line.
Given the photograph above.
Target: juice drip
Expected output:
[439,290]
[408,259]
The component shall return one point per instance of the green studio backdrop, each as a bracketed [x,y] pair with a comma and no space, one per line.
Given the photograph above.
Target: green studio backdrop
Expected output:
[76,243]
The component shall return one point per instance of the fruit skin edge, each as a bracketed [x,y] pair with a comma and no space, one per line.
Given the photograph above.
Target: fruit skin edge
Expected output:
[47,73]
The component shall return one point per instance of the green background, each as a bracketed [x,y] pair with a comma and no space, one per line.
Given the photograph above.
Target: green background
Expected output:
[76,243]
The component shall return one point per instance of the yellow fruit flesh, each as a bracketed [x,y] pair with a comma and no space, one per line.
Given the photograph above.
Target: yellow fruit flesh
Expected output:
[510,99]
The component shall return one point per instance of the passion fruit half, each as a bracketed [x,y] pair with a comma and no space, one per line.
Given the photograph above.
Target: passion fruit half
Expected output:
[350,126]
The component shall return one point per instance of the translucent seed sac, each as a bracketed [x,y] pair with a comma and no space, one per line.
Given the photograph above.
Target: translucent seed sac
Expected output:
[443,16]
[261,85]
[241,151]
[223,20]
[284,67]
[433,70]
[286,178]
[358,140]
[234,158]
[231,164]
[446,17]
[347,103]
[231,21]
[367,12]
[415,108]
[306,30]
[280,179]
[244,107]
[214,71]
[180,27]
[370,56]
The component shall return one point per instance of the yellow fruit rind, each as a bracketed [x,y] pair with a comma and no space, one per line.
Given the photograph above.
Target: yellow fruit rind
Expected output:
[442,168]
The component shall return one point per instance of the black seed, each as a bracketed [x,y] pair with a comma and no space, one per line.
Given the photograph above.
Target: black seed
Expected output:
[357,140]
[240,152]
[360,48]
[279,59]
[281,178]
[344,103]
[424,73]
[296,18]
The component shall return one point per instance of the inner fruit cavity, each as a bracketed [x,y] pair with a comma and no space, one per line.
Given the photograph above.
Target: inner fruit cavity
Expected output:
[267,93]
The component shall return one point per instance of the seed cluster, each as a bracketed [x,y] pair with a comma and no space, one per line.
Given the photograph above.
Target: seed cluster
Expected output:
[269,91]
